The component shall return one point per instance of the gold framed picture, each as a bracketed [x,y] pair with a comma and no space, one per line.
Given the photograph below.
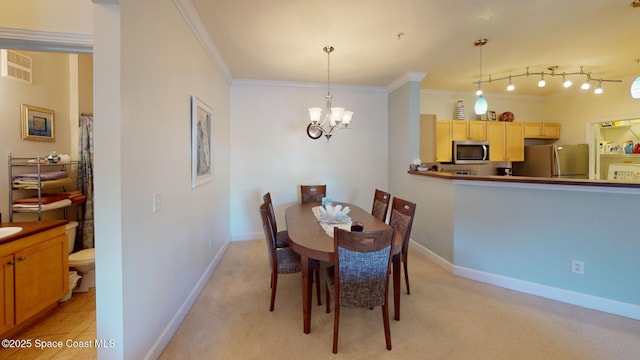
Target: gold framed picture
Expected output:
[37,123]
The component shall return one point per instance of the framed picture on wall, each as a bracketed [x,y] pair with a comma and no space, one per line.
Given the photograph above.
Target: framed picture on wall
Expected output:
[37,123]
[201,142]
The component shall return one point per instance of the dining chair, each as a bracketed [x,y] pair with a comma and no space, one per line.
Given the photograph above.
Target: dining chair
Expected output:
[380,204]
[312,193]
[282,237]
[282,260]
[359,276]
[401,219]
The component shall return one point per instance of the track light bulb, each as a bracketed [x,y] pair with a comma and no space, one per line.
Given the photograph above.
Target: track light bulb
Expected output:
[566,82]
[479,92]
[542,83]
[598,90]
[585,86]
[510,87]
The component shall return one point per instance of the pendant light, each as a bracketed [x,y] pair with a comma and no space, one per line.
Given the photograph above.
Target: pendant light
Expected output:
[481,106]
[635,86]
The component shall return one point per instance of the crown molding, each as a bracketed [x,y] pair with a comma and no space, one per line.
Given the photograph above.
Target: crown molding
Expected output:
[315,85]
[405,78]
[45,40]
[194,21]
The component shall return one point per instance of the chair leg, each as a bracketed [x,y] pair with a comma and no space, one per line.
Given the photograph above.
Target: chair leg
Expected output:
[327,298]
[317,273]
[385,320]
[274,286]
[336,323]
[406,274]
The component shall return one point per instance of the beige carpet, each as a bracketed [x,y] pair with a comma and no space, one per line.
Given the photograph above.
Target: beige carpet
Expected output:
[445,317]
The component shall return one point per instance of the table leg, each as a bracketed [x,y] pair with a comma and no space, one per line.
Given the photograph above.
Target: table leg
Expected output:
[306,292]
[396,286]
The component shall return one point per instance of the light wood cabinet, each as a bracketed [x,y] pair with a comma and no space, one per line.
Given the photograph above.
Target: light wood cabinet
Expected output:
[6,302]
[469,130]
[506,141]
[435,139]
[36,276]
[541,130]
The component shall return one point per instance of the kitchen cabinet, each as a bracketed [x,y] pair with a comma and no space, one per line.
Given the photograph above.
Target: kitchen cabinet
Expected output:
[506,141]
[435,139]
[541,130]
[469,130]
[35,270]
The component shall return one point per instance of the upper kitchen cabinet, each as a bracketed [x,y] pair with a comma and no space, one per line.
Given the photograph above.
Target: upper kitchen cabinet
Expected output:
[435,139]
[506,141]
[469,129]
[541,130]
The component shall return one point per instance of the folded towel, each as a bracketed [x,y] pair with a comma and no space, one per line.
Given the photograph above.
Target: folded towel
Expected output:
[32,208]
[45,175]
[25,184]
[44,199]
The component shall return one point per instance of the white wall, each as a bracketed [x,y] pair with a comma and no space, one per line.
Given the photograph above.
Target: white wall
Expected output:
[153,264]
[270,151]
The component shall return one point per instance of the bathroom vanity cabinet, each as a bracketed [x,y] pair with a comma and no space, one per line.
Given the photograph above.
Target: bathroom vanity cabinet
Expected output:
[35,273]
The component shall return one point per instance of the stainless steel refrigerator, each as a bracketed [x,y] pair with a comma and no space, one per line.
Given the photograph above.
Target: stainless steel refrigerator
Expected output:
[568,161]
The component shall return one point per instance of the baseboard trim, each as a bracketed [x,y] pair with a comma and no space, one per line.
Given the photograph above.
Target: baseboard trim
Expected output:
[570,297]
[168,332]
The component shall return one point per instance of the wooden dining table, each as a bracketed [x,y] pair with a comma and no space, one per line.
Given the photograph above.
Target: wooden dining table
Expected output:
[308,238]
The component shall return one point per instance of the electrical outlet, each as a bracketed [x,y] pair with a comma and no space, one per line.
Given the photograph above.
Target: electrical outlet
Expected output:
[577,267]
[157,202]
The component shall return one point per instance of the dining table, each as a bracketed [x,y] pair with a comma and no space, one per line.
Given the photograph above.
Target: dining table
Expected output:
[309,239]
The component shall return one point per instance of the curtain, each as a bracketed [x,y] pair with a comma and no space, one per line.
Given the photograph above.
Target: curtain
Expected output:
[85,173]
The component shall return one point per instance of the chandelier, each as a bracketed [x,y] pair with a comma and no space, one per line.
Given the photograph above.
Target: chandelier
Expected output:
[335,118]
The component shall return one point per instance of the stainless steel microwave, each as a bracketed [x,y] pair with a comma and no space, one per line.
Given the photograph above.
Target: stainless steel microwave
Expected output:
[470,152]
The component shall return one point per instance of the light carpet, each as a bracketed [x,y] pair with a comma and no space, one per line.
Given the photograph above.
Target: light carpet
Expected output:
[445,317]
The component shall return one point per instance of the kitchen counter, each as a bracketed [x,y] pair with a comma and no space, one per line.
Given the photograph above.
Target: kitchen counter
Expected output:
[30,228]
[527,180]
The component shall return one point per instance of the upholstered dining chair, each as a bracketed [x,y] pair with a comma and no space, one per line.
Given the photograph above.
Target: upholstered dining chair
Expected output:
[359,276]
[401,218]
[282,237]
[312,193]
[282,260]
[381,201]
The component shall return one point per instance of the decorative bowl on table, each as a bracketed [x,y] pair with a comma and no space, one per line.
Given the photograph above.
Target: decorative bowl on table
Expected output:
[334,214]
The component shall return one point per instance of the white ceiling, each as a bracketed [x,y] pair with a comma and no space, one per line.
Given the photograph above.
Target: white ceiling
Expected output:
[282,40]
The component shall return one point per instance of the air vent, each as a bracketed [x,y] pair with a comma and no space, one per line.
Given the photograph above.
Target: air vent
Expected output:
[15,65]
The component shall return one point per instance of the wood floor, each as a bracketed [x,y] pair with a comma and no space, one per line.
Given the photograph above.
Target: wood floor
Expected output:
[73,323]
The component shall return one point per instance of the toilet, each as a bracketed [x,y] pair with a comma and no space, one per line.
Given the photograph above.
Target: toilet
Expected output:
[83,261]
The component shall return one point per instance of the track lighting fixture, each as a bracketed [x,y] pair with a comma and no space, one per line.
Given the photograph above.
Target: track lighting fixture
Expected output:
[566,81]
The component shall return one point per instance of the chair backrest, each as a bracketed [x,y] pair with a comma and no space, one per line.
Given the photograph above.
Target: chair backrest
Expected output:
[312,193]
[361,268]
[401,218]
[267,200]
[269,235]
[381,201]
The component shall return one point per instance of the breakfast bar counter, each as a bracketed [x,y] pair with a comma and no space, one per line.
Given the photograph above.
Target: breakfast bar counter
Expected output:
[524,233]
[527,179]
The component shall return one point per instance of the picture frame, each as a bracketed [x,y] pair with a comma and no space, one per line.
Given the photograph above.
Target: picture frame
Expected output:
[37,123]
[201,142]
[491,116]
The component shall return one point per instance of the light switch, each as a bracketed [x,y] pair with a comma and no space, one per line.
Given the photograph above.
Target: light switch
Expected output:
[157,202]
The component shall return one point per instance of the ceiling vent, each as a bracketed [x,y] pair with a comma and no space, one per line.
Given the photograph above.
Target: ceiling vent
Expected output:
[15,65]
